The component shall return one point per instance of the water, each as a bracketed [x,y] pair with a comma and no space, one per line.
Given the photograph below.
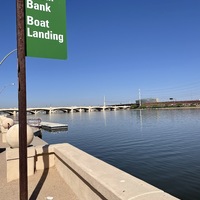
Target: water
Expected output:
[161,147]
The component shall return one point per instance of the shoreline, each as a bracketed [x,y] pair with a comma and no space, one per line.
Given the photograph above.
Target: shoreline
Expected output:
[169,108]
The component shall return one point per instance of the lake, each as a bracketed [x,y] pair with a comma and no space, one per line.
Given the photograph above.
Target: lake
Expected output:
[161,147]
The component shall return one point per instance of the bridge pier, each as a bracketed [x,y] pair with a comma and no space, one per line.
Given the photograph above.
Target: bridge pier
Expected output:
[72,110]
[50,111]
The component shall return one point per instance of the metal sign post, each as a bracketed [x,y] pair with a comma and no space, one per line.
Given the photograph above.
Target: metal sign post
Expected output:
[41,32]
[22,101]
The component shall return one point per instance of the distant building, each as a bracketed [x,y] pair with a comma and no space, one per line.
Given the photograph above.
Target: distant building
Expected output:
[147,100]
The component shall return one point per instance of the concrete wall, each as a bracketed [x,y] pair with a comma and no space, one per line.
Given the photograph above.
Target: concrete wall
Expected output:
[93,179]
[12,159]
[88,177]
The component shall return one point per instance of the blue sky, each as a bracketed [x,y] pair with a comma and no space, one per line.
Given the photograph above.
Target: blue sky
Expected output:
[115,48]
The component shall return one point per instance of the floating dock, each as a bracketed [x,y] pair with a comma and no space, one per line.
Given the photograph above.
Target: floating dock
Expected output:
[49,126]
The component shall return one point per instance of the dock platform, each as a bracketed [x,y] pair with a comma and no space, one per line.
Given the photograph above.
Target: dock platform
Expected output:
[53,126]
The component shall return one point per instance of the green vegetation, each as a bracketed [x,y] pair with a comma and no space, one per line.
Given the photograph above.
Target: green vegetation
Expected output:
[134,106]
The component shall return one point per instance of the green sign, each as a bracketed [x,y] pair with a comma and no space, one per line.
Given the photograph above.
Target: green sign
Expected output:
[45,22]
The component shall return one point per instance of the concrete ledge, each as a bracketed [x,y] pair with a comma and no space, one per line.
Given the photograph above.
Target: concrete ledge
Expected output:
[91,178]
[88,177]
[12,158]
[4,138]
[44,157]
[39,157]
[37,141]
[3,132]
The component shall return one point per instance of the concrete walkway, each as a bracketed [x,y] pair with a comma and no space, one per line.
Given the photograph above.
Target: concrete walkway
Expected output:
[41,185]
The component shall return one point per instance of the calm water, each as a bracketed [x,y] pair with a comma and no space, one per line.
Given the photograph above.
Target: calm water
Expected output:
[161,147]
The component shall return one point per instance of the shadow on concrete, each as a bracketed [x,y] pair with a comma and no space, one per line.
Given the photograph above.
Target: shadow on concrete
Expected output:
[2,150]
[83,179]
[38,187]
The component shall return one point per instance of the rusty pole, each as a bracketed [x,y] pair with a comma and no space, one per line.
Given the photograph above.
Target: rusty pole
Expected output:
[23,180]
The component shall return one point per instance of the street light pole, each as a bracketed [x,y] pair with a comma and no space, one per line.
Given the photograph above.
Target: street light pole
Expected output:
[7,56]
[140,101]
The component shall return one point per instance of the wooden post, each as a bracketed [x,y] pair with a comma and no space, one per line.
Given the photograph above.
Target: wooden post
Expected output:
[22,101]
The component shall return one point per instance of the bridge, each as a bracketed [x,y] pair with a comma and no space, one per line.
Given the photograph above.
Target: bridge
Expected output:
[68,109]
